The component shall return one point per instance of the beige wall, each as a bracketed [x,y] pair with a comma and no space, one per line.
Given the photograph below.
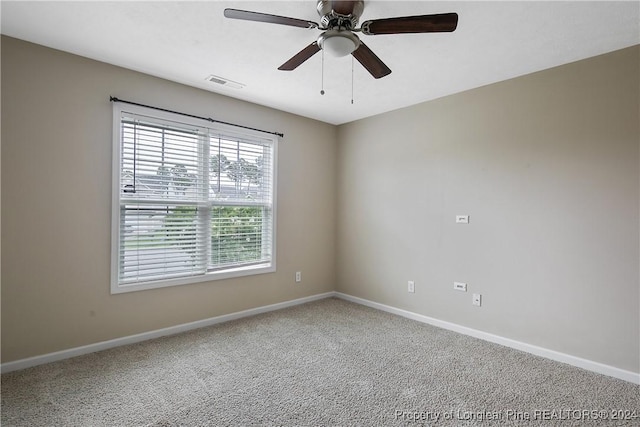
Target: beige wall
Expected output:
[546,165]
[56,205]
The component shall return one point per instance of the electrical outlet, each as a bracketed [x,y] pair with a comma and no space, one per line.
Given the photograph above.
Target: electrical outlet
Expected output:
[458,286]
[411,286]
[298,276]
[477,300]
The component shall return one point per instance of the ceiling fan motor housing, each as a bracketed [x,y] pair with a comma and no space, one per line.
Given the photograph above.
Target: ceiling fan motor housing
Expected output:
[340,14]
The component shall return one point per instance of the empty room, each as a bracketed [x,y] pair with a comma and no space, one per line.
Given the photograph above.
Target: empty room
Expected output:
[320,213]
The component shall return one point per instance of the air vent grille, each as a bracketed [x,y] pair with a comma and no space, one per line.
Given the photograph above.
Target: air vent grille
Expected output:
[224,82]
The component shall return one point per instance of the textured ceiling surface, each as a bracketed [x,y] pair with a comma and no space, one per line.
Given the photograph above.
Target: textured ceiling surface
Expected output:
[188,41]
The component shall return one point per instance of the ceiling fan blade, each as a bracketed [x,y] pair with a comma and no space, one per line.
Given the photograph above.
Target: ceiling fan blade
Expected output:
[444,22]
[300,57]
[370,61]
[268,18]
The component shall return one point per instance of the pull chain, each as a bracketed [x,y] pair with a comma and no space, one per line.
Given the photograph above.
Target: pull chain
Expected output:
[352,80]
[322,75]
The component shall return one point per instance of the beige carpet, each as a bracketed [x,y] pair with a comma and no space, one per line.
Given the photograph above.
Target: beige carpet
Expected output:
[327,363]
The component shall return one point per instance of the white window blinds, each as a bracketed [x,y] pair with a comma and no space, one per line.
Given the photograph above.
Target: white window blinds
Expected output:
[193,202]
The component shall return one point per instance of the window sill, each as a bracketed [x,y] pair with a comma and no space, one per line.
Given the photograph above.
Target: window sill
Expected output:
[230,273]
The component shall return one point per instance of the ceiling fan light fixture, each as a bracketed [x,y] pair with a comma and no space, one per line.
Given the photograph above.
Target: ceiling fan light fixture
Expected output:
[338,43]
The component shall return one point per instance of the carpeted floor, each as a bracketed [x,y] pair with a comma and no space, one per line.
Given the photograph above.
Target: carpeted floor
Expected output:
[326,363]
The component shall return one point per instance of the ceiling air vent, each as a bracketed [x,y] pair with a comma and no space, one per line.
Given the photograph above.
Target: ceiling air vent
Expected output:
[224,82]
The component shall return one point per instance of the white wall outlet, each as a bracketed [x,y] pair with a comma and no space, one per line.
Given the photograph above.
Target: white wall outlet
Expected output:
[298,277]
[462,219]
[458,286]
[477,299]
[411,286]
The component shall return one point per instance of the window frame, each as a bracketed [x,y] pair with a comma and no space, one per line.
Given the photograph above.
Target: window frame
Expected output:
[117,202]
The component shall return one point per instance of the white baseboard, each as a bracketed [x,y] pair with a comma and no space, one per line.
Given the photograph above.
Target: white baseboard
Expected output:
[132,339]
[589,365]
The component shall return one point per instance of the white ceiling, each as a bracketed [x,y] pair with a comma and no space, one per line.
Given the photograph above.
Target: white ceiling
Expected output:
[187,41]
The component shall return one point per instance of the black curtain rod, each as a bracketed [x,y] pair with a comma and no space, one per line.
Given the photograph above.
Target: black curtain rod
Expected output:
[209,119]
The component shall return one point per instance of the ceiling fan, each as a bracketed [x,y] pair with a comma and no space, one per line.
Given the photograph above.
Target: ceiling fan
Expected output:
[338,22]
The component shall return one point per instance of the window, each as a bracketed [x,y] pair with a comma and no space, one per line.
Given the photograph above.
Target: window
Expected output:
[192,200]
